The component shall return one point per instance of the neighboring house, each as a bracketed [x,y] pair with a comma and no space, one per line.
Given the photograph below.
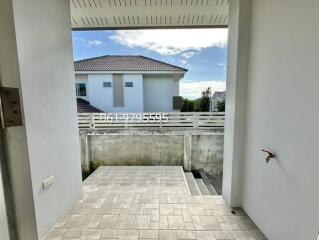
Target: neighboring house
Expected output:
[217,97]
[128,83]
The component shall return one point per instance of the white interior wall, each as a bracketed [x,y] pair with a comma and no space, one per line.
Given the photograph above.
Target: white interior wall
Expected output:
[18,158]
[44,47]
[282,197]
[236,84]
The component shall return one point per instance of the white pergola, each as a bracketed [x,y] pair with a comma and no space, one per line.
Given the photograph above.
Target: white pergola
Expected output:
[115,14]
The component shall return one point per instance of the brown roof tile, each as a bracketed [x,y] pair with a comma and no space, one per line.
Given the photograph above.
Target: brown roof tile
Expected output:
[124,63]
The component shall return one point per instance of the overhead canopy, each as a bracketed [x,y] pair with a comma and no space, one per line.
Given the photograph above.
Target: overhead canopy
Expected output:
[125,14]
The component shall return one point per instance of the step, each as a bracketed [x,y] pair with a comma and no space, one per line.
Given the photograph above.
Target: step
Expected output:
[209,186]
[202,187]
[192,185]
[211,190]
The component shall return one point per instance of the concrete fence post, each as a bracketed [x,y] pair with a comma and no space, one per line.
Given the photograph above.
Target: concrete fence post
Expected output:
[92,121]
[195,120]
[85,152]
[188,152]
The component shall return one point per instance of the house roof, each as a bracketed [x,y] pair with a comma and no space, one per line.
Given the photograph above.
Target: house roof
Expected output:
[124,63]
[219,94]
[85,107]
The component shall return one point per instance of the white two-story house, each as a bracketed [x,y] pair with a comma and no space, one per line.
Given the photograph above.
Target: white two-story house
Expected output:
[128,83]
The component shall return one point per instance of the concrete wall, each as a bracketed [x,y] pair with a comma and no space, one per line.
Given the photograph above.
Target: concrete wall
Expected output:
[102,97]
[137,150]
[282,197]
[36,55]
[144,147]
[159,92]
[207,153]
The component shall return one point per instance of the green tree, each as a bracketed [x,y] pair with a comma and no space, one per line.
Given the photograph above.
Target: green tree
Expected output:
[198,105]
[188,105]
[204,101]
[221,106]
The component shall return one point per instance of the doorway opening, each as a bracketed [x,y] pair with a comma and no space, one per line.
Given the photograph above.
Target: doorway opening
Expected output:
[153,97]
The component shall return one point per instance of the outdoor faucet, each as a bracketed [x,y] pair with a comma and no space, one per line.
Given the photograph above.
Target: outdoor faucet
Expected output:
[269,156]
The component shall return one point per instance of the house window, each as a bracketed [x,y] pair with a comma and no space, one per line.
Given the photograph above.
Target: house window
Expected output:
[128,84]
[118,90]
[80,89]
[107,84]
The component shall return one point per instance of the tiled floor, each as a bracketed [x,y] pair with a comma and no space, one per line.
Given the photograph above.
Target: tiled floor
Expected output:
[149,203]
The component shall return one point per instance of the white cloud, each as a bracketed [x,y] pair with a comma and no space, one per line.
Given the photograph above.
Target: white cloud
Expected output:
[188,55]
[192,90]
[95,43]
[172,41]
[221,65]
[88,43]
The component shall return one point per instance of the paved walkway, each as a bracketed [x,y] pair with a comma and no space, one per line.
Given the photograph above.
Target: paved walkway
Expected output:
[149,203]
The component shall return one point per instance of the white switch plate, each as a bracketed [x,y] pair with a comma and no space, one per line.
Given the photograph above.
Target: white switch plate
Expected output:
[48,182]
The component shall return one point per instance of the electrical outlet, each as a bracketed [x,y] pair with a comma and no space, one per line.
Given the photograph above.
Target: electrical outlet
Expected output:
[48,182]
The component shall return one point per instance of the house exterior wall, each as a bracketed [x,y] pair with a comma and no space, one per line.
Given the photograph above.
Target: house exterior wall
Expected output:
[159,92]
[214,101]
[282,197]
[133,97]
[150,93]
[102,97]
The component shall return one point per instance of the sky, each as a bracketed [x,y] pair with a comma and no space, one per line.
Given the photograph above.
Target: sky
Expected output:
[202,51]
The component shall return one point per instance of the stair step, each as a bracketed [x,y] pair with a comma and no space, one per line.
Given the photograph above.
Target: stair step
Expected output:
[202,187]
[209,186]
[211,190]
[192,185]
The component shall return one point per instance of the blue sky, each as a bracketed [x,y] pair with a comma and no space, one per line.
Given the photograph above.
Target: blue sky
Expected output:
[202,51]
